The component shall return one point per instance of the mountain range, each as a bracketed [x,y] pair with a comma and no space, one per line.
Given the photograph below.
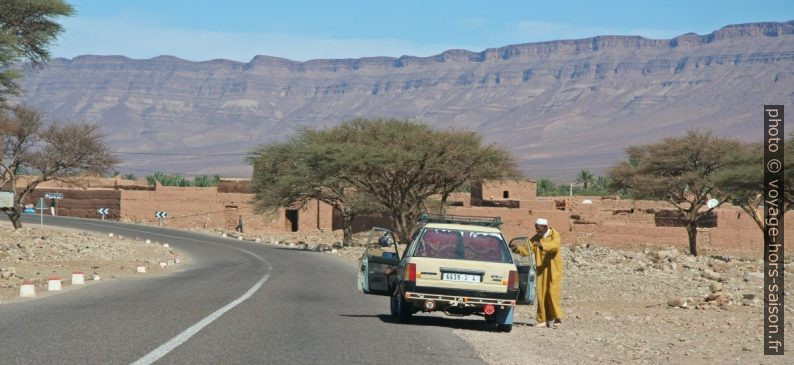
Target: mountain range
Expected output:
[560,106]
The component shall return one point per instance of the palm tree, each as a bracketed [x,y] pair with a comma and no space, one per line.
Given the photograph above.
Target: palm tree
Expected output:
[602,182]
[585,177]
[545,186]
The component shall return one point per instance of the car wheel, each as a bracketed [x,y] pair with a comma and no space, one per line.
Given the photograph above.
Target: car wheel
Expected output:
[504,327]
[404,310]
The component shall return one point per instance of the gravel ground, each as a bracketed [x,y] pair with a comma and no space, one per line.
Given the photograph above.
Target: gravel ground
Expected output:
[648,307]
[35,254]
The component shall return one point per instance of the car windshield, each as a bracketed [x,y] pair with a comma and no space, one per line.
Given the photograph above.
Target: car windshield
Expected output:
[462,245]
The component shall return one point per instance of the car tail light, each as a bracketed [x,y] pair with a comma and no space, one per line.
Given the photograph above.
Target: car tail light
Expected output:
[489,309]
[430,305]
[512,280]
[412,272]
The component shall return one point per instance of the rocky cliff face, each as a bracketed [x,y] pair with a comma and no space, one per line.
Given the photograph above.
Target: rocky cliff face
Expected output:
[560,106]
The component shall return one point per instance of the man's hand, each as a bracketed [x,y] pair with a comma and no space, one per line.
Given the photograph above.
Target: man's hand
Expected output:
[538,244]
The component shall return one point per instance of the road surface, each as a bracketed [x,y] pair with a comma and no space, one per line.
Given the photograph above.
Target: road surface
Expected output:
[237,302]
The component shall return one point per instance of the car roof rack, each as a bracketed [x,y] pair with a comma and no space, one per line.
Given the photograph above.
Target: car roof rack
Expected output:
[494,222]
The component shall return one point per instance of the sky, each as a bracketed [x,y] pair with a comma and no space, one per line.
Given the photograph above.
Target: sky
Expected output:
[200,30]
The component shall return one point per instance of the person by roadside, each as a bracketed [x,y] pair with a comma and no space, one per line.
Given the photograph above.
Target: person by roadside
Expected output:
[545,244]
[240,222]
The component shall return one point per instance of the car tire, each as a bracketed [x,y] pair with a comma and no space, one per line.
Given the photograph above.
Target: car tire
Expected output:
[403,310]
[504,327]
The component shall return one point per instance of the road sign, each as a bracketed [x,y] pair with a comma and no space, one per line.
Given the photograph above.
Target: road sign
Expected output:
[103,211]
[6,199]
[53,195]
[161,215]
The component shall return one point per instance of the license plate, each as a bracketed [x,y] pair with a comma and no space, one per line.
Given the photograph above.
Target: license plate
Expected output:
[451,276]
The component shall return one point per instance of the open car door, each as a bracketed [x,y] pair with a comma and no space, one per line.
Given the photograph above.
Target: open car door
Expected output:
[527,273]
[379,255]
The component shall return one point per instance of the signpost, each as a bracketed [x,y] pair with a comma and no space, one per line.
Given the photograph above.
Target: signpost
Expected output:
[6,199]
[41,208]
[103,212]
[53,196]
[160,215]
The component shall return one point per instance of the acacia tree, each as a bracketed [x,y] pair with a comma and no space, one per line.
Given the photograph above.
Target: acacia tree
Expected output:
[678,170]
[26,30]
[58,152]
[303,169]
[742,180]
[402,163]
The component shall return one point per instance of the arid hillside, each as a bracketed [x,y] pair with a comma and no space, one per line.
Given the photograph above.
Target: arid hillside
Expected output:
[560,106]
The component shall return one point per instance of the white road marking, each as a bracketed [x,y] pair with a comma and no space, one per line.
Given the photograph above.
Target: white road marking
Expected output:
[181,338]
[167,347]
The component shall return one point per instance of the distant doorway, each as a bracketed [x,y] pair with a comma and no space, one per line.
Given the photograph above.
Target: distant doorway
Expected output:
[292,219]
[230,219]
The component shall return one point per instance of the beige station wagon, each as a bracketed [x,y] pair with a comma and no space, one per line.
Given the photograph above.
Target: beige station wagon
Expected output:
[457,265]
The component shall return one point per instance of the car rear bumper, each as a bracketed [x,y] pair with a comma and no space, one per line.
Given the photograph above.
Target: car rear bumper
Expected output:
[459,296]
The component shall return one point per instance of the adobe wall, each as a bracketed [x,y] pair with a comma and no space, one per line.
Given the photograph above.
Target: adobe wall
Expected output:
[496,190]
[78,203]
[206,208]
[625,223]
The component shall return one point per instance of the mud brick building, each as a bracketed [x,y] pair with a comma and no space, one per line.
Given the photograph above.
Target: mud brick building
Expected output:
[580,219]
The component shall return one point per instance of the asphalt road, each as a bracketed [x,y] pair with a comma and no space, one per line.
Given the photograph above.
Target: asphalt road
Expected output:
[237,302]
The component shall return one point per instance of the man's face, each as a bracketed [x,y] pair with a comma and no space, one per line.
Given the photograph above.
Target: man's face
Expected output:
[541,229]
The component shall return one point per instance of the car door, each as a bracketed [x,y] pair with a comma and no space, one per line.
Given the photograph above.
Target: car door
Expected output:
[379,255]
[527,273]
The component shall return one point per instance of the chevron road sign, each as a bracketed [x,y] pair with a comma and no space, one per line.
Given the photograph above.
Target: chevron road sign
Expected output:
[161,215]
[103,211]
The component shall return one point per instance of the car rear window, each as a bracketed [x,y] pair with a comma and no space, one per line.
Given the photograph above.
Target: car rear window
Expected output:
[462,245]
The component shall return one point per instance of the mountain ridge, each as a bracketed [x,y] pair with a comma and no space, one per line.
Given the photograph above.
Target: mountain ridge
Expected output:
[598,94]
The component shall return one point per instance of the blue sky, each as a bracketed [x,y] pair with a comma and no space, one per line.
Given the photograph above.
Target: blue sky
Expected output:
[301,30]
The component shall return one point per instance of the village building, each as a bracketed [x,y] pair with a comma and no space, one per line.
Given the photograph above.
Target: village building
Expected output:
[605,220]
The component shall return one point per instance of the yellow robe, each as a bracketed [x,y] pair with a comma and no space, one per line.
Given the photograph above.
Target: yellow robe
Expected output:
[549,265]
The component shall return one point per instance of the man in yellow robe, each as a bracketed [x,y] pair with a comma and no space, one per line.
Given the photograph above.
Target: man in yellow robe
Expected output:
[548,260]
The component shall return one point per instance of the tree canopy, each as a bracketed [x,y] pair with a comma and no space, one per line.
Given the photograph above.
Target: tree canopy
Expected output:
[678,170]
[27,28]
[395,164]
[56,152]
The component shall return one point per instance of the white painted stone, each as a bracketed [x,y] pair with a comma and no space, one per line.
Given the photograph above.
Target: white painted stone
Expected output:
[223,235]
[177,260]
[258,240]
[163,264]
[27,290]
[239,238]
[171,262]
[333,251]
[141,269]
[166,245]
[110,234]
[97,278]
[148,241]
[54,284]
[78,278]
